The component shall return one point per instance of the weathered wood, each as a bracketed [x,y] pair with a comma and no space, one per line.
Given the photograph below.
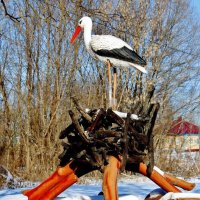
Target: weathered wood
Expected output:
[134,149]
[101,114]
[125,138]
[66,131]
[110,139]
[131,160]
[114,117]
[78,127]
[100,134]
[104,133]
[80,109]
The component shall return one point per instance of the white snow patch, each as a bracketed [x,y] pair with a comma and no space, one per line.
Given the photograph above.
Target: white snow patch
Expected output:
[129,189]
[172,195]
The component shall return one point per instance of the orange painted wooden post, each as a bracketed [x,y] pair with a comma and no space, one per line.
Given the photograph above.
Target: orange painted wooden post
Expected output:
[45,185]
[60,174]
[179,182]
[60,187]
[110,179]
[158,179]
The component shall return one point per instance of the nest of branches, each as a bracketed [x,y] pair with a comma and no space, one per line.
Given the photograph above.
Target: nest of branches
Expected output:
[107,141]
[99,133]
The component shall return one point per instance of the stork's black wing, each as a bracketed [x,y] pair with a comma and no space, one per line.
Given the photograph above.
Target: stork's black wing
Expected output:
[123,53]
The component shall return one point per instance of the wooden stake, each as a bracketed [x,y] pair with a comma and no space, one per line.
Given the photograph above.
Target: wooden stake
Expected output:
[109,84]
[114,88]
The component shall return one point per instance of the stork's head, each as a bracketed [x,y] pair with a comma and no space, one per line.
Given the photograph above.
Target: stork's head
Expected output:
[84,22]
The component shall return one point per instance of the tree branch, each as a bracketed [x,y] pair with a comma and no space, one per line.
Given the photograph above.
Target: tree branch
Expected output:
[9,15]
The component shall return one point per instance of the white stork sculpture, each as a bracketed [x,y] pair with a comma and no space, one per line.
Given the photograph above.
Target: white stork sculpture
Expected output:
[108,49]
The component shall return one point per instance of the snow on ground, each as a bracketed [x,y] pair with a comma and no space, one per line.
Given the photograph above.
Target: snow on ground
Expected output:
[129,189]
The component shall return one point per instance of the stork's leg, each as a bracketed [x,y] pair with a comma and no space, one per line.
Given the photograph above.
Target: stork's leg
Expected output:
[109,83]
[114,88]
[110,179]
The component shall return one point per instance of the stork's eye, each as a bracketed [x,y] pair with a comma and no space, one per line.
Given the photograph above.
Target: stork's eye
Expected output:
[80,21]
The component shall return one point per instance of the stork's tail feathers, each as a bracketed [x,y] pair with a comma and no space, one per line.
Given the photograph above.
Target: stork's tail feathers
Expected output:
[140,68]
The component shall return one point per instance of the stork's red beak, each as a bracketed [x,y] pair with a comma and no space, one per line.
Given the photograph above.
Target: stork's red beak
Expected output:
[74,36]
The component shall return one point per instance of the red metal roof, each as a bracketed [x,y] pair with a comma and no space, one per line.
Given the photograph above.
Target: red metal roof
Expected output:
[181,126]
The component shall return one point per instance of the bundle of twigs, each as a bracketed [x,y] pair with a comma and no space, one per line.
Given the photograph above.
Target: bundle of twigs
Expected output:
[99,133]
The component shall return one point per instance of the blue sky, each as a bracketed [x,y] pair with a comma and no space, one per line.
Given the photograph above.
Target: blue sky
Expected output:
[196,7]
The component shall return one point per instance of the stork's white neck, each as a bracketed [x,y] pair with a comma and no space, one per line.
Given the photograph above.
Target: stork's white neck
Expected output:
[87,35]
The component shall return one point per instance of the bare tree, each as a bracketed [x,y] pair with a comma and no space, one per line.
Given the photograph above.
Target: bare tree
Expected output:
[13,18]
[40,70]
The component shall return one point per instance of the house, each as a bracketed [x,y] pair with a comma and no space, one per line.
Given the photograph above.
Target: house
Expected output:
[184,136]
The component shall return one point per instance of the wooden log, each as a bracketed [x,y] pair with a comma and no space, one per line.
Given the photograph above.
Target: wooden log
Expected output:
[66,131]
[65,145]
[71,129]
[116,119]
[140,138]
[112,140]
[100,134]
[81,153]
[78,128]
[125,138]
[101,114]
[68,154]
[131,159]
[175,181]
[80,109]
[97,157]
[109,140]
[134,149]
